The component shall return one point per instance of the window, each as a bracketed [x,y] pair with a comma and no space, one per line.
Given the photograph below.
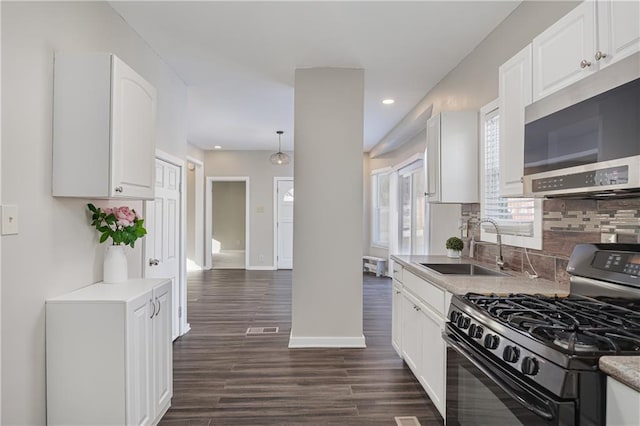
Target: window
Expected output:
[519,219]
[380,205]
[412,205]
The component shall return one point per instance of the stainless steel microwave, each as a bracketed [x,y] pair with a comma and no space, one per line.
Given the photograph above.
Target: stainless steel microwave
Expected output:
[584,140]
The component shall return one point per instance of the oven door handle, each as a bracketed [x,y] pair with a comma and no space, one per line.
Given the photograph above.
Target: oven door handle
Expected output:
[458,346]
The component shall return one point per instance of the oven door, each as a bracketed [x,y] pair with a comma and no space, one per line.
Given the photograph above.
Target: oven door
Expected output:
[481,392]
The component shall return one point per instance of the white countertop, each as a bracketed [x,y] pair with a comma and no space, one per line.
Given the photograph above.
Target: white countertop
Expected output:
[101,292]
[462,284]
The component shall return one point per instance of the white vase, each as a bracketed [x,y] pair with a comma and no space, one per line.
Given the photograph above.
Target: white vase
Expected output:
[454,253]
[115,265]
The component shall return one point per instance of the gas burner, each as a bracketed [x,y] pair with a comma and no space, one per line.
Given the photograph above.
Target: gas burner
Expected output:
[576,342]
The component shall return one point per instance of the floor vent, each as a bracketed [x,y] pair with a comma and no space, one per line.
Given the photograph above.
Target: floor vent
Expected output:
[407,421]
[252,331]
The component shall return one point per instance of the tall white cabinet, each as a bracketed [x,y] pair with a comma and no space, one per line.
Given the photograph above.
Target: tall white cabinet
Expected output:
[109,354]
[103,128]
[451,158]
[514,86]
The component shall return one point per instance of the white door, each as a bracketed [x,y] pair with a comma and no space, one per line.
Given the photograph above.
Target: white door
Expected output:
[285,224]
[133,133]
[138,378]
[396,315]
[162,243]
[559,51]
[162,351]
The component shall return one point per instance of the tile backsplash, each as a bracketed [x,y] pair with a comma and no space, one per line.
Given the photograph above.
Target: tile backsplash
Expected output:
[566,223]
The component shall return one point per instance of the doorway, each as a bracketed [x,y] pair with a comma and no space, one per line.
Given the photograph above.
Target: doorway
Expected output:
[195,214]
[227,223]
[283,222]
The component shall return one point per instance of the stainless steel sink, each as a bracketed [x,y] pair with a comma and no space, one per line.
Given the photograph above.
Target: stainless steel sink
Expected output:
[463,269]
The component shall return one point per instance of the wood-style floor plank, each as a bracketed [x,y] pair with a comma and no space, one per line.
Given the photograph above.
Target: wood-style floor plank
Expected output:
[223,377]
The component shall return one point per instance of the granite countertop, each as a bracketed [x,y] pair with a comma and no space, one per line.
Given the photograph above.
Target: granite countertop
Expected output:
[625,369]
[462,284]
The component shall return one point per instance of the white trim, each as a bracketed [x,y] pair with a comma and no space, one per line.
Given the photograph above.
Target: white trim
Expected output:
[183,326]
[415,157]
[209,215]
[275,217]
[533,242]
[327,342]
[261,268]
[0,238]
[387,169]
[199,211]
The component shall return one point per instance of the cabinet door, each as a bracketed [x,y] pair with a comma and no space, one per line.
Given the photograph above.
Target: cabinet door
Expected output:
[432,159]
[132,133]
[411,333]
[432,372]
[514,80]
[138,378]
[396,317]
[618,30]
[558,52]
[162,349]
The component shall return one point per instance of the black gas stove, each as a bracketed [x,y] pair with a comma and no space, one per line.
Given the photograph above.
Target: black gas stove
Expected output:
[538,354]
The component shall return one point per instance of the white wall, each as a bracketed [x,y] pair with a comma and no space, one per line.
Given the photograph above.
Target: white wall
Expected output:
[474,82]
[328,217]
[56,251]
[261,172]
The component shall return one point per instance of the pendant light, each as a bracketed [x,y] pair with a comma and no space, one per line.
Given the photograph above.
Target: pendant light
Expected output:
[279,158]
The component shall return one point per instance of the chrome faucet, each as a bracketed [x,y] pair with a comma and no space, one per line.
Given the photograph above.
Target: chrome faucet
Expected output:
[499,259]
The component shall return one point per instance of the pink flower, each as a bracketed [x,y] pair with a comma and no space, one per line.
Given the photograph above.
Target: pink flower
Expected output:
[124,216]
[108,211]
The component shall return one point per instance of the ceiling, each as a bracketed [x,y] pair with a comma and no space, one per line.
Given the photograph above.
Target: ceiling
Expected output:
[238,58]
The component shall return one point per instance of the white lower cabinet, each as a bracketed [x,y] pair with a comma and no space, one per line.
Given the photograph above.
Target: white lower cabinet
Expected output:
[420,323]
[109,358]
[623,404]
[396,313]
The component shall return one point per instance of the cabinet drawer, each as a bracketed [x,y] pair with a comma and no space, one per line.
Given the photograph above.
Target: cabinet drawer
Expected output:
[430,294]
[397,271]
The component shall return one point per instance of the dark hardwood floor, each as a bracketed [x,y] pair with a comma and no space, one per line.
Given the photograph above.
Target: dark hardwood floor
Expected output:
[223,377]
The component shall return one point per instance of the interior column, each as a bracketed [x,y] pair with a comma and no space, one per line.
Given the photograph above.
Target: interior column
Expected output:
[328,213]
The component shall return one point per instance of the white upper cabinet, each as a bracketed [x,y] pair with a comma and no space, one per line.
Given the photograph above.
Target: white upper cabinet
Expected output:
[564,52]
[451,158]
[592,36]
[514,80]
[618,30]
[103,128]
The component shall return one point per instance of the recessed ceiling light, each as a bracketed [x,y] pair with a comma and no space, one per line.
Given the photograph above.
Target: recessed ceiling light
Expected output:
[388,101]
[217,147]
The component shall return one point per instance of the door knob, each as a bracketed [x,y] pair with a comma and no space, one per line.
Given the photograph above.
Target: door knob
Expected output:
[584,63]
[154,262]
[600,55]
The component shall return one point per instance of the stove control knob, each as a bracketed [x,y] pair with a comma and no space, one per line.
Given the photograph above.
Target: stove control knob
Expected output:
[491,341]
[529,366]
[463,322]
[511,354]
[475,331]
[454,315]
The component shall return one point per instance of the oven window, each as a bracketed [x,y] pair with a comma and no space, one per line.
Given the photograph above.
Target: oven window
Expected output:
[604,127]
[473,399]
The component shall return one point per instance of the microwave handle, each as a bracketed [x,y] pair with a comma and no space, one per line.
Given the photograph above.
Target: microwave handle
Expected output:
[457,345]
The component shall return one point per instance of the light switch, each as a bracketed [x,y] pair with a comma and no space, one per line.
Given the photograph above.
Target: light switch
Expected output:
[9,220]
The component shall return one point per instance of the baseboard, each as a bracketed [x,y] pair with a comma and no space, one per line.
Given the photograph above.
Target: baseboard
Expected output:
[326,342]
[260,268]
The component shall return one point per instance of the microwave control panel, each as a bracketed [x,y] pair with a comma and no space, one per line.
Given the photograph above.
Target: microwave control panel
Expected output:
[603,177]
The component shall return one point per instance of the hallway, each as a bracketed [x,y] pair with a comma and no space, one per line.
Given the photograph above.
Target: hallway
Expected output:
[223,377]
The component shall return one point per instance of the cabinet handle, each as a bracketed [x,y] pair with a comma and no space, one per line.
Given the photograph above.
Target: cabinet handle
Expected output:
[600,55]
[418,309]
[154,262]
[397,291]
[154,308]
[119,189]
[584,64]
[159,305]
